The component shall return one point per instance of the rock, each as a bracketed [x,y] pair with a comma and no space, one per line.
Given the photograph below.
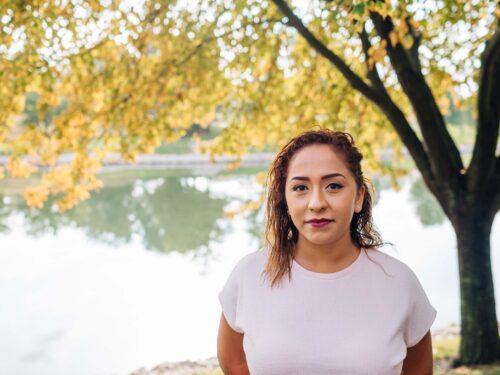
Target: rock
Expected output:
[181,368]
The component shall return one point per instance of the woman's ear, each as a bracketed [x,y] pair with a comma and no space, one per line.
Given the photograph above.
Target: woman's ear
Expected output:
[360,198]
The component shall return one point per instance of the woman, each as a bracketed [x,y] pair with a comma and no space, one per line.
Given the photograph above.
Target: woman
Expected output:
[321,298]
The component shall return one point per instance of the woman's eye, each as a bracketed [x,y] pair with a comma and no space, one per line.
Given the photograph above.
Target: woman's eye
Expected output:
[334,186]
[299,188]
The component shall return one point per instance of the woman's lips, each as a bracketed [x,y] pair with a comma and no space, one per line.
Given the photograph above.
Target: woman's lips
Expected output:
[319,223]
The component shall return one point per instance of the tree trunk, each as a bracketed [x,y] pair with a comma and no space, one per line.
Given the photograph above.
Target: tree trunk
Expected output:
[480,342]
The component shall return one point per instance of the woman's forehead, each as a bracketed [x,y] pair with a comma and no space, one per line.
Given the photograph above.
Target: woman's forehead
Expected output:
[316,159]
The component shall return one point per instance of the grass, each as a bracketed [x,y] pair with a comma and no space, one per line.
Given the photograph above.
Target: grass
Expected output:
[241,171]
[446,349]
[482,370]
[185,145]
[182,146]
[124,176]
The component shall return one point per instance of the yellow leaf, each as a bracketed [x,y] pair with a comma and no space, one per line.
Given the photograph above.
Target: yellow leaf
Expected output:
[393,37]
[207,119]
[20,168]
[18,103]
[36,196]
[403,26]
[371,62]
[233,165]
[261,177]
[407,41]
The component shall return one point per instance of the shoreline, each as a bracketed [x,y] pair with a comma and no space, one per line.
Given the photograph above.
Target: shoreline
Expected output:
[210,366]
[196,160]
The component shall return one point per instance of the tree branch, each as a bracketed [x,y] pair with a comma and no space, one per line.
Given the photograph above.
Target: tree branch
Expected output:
[482,165]
[355,81]
[384,102]
[444,155]
[496,183]
[411,141]
[372,72]
[417,36]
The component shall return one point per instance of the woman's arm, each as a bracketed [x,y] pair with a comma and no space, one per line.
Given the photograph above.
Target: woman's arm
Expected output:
[230,352]
[418,359]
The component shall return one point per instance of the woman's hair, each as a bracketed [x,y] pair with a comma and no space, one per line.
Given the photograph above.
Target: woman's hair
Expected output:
[281,234]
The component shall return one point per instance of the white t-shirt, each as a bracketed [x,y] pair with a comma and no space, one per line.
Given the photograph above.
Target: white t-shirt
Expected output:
[359,320]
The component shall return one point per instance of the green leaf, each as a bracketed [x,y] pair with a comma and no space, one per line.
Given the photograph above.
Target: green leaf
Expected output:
[359,9]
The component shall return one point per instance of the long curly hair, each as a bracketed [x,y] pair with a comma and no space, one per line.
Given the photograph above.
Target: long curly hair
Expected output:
[281,235]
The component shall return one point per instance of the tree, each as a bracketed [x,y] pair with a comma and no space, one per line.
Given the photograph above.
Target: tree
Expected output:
[128,78]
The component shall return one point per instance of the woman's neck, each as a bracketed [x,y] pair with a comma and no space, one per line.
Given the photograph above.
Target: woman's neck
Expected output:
[325,258]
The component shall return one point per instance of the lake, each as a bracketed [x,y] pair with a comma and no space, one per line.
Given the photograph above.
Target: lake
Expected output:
[130,277]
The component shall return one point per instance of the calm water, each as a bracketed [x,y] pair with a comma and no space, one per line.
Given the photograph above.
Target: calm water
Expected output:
[130,278]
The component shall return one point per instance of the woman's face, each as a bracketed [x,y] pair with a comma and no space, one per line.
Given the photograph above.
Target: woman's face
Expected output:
[322,196]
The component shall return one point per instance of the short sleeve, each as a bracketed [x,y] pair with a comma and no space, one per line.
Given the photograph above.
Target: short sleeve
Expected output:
[421,313]
[229,296]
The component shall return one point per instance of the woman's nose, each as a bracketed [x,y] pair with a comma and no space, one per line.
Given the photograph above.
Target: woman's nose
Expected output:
[317,201]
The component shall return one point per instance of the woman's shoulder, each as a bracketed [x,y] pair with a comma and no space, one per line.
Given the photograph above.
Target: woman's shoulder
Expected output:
[252,262]
[390,264]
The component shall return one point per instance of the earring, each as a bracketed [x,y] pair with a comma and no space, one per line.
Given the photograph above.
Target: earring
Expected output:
[289,234]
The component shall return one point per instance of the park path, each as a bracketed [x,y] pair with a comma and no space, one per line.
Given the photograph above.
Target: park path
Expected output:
[173,161]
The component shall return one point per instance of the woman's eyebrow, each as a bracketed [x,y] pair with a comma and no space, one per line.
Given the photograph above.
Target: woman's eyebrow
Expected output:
[325,177]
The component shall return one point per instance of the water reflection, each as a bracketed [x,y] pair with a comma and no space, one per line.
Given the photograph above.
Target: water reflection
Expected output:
[255,220]
[166,214]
